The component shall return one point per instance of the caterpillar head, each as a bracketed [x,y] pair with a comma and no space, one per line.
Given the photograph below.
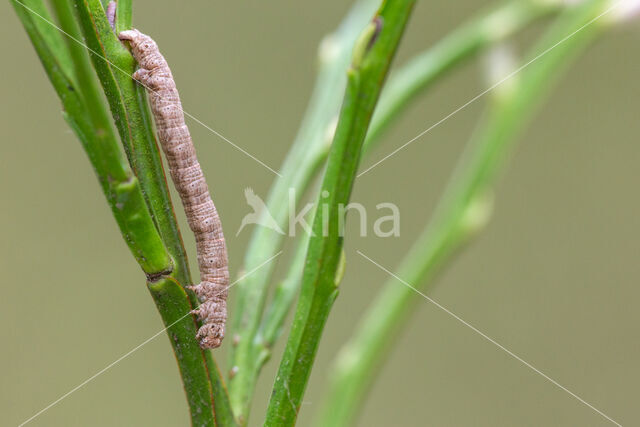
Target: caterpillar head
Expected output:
[144,49]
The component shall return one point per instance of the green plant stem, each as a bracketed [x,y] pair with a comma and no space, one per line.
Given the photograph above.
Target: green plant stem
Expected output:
[174,305]
[404,85]
[84,110]
[130,98]
[372,57]
[87,82]
[422,71]
[308,152]
[129,103]
[123,15]
[148,156]
[462,211]
[224,415]
[50,35]
[283,299]
[119,185]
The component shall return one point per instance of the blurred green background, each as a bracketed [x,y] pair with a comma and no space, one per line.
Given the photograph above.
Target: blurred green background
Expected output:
[554,278]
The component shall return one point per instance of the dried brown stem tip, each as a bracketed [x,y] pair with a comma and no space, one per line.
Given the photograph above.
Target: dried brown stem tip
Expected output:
[155,75]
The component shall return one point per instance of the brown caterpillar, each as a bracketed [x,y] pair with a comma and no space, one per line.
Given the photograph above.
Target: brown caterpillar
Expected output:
[155,75]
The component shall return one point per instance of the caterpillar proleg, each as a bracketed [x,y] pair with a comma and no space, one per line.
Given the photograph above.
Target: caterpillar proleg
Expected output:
[155,75]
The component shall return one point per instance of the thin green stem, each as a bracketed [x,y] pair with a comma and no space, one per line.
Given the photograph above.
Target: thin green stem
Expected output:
[371,60]
[223,413]
[127,100]
[119,185]
[123,15]
[146,234]
[422,71]
[404,85]
[308,152]
[283,299]
[461,212]
[94,98]
[146,150]
[129,103]
[50,35]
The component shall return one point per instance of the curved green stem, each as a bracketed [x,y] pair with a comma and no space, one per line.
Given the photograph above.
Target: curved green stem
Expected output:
[462,210]
[422,71]
[372,57]
[308,152]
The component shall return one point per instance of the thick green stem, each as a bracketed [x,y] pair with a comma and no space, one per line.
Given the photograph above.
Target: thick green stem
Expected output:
[372,57]
[462,211]
[174,308]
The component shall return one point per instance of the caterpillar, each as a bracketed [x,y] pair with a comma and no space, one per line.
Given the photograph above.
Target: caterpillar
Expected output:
[154,74]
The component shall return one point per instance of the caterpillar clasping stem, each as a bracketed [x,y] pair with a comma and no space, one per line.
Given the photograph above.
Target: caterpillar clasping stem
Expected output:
[154,74]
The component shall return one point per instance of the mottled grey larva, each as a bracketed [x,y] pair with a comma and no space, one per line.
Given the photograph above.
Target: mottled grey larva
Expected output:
[155,75]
